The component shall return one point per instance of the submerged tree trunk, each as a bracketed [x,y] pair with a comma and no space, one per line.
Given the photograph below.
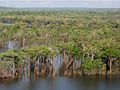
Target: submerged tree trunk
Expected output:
[24,72]
[29,69]
[110,66]
[51,68]
[36,71]
[64,61]
[70,67]
[13,70]
[38,65]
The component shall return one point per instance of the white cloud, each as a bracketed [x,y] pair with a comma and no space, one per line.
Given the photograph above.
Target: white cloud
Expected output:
[61,3]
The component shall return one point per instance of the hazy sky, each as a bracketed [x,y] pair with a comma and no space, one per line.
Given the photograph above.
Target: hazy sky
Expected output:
[62,3]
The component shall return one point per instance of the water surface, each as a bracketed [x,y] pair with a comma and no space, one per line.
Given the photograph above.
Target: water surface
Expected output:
[65,83]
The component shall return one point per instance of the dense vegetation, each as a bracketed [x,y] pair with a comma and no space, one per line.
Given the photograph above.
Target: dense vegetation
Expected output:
[90,36]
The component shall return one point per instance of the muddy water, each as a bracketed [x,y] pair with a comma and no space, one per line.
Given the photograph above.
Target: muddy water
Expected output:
[65,83]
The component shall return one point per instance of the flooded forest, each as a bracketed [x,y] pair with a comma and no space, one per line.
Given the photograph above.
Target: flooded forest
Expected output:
[59,42]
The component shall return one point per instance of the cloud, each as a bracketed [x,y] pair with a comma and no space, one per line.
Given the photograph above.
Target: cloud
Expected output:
[61,3]
[55,0]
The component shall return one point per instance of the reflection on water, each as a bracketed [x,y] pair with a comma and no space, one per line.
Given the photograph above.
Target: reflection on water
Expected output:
[65,83]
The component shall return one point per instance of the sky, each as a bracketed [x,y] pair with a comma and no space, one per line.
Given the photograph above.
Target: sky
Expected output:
[61,3]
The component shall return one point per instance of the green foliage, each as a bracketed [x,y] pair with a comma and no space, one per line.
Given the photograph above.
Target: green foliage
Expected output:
[5,65]
[87,65]
[90,65]
[10,53]
[49,32]
[28,54]
[97,64]
[112,53]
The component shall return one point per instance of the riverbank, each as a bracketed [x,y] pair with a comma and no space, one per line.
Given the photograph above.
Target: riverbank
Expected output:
[6,76]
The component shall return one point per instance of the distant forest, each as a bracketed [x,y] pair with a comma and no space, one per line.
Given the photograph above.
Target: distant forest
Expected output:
[90,36]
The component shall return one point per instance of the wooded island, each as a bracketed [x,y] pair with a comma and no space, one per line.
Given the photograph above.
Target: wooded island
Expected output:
[70,42]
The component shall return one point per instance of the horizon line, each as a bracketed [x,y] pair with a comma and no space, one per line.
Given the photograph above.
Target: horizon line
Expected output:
[59,7]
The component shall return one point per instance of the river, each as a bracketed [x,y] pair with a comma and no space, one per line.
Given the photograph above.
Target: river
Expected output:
[65,83]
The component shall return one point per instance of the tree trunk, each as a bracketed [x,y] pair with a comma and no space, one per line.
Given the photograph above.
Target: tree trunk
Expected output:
[83,50]
[110,66]
[24,71]
[38,65]
[36,72]
[23,42]
[92,56]
[29,69]
[88,54]
[70,63]
[52,69]
[13,70]
[64,56]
